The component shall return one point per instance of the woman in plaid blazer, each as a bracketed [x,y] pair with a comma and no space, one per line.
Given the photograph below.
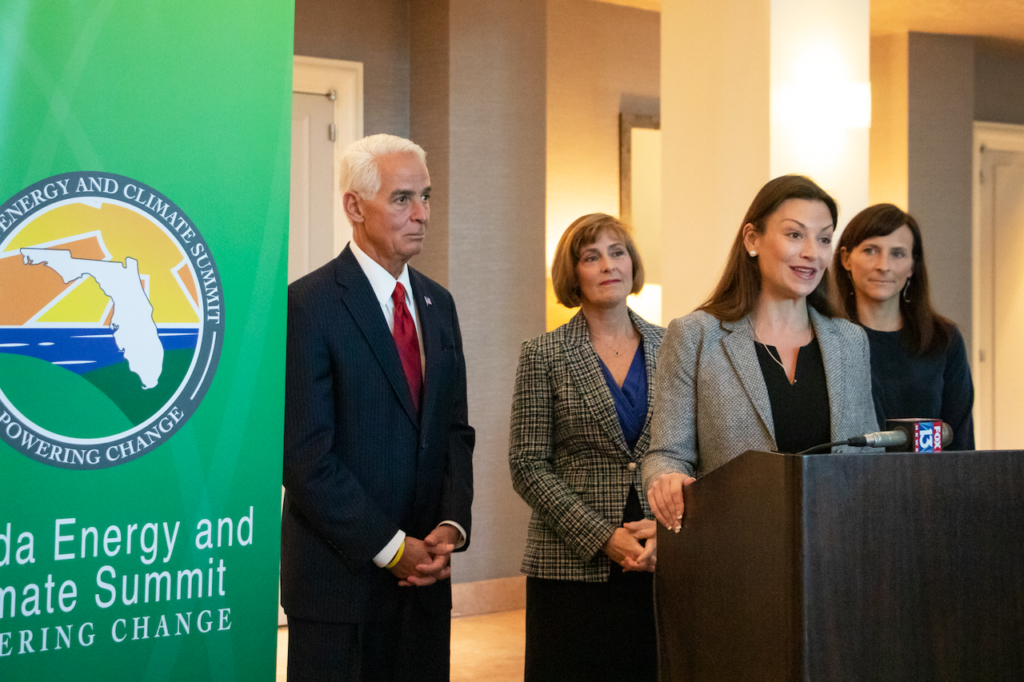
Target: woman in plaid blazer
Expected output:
[580,427]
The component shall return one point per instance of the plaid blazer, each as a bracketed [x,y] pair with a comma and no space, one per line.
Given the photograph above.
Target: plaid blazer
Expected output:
[712,403]
[568,457]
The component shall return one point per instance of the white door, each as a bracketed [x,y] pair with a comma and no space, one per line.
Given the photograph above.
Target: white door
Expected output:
[999,377]
[311,219]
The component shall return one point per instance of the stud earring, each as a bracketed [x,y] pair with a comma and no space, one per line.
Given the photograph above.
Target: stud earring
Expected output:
[752,253]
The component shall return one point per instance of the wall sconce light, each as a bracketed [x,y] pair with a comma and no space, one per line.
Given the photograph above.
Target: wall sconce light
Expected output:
[819,104]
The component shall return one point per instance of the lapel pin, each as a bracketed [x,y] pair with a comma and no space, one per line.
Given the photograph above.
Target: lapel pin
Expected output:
[427,299]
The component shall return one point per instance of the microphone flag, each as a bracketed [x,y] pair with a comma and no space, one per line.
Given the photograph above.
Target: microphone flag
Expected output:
[923,435]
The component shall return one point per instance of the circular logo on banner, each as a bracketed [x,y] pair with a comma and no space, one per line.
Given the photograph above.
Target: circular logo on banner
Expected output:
[111,320]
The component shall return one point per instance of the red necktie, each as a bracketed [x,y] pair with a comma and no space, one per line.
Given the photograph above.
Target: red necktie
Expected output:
[408,344]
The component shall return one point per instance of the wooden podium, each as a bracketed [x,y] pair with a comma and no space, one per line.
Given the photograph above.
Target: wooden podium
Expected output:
[847,567]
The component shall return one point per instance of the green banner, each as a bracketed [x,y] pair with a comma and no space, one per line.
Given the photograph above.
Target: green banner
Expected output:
[143,254]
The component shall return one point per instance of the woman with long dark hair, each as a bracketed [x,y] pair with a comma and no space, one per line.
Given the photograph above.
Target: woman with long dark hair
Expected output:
[763,364]
[919,362]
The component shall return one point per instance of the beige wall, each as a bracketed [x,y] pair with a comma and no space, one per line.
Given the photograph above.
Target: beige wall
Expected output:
[817,131]
[999,82]
[478,108]
[889,82]
[497,252]
[430,124]
[602,59]
[715,137]
[923,88]
[939,161]
[374,33]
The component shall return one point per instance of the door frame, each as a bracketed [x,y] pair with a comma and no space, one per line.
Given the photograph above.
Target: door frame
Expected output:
[317,76]
[1001,137]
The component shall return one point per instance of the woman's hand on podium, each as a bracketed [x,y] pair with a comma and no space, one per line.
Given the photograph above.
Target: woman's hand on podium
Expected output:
[666,499]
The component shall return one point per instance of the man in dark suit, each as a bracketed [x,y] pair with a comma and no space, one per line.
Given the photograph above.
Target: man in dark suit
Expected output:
[378,452]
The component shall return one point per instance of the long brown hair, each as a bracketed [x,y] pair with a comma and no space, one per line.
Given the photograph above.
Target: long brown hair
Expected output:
[740,286]
[924,330]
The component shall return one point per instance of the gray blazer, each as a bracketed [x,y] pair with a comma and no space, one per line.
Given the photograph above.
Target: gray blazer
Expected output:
[711,403]
[568,457]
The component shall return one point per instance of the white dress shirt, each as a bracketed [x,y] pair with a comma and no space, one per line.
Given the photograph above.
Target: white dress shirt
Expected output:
[383,284]
[383,287]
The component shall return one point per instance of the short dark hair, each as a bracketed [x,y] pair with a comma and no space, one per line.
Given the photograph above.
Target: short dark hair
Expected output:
[584,231]
[924,331]
[740,286]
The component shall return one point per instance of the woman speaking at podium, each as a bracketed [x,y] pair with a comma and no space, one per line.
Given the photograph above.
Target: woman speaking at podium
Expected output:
[763,364]
[580,425]
[918,360]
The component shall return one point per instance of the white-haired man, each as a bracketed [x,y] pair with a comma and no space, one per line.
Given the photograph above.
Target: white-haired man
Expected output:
[378,452]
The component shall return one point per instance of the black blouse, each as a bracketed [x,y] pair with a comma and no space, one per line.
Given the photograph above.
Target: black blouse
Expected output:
[936,386]
[800,411]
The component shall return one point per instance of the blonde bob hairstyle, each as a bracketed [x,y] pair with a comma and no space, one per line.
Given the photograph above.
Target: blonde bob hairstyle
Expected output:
[583,232]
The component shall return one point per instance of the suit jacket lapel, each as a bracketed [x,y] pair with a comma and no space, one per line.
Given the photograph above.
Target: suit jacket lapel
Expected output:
[650,357]
[739,346]
[832,357]
[583,366]
[358,297]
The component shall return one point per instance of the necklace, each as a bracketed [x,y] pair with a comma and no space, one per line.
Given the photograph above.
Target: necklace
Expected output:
[606,344]
[767,349]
